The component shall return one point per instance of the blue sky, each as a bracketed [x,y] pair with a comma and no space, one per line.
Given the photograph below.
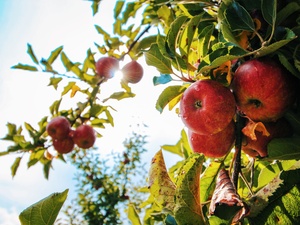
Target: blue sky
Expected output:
[24,96]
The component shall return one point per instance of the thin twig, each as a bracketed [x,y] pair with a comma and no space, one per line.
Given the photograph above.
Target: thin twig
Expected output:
[135,41]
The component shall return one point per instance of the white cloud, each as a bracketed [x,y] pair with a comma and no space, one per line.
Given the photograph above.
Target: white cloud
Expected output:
[9,216]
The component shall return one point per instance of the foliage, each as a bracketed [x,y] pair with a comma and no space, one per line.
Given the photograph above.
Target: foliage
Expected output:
[107,184]
[45,211]
[194,39]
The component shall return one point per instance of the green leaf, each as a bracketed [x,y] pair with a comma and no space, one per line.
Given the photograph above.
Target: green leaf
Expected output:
[101,31]
[155,58]
[188,209]
[204,39]
[285,62]
[220,56]
[269,172]
[161,186]
[214,220]
[120,95]
[162,79]
[269,8]
[54,108]
[15,166]
[35,156]
[66,61]
[168,95]
[45,211]
[238,18]
[284,148]
[54,81]
[109,117]
[68,88]
[265,50]
[70,66]
[96,109]
[118,8]
[12,130]
[227,34]
[24,67]
[89,62]
[207,183]
[54,54]
[187,37]
[182,147]
[95,6]
[31,54]
[286,11]
[278,201]
[133,215]
[165,14]
[174,33]
[46,168]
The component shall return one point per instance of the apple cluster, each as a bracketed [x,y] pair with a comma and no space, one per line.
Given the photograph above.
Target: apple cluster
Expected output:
[264,90]
[207,109]
[261,91]
[64,138]
[106,67]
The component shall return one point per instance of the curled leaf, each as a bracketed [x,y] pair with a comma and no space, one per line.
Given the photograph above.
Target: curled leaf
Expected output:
[251,127]
[226,197]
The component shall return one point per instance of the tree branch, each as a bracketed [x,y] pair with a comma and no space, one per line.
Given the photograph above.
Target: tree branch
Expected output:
[240,123]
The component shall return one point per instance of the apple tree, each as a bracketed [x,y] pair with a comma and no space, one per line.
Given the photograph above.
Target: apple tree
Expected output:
[231,72]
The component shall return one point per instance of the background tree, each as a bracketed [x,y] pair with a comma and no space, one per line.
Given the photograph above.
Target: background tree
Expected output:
[194,41]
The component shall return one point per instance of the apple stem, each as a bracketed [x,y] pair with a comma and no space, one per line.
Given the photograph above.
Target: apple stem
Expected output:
[240,123]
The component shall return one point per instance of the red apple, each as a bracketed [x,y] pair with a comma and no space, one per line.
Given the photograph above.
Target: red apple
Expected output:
[106,67]
[279,129]
[58,128]
[84,136]
[132,72]
[263,89]
[213,145]
[207,107]
[63,146]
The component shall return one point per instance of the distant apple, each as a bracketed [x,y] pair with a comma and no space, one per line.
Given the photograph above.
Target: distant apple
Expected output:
[263,89]
[84,136]
[207,107]
[58,128]
[106,67]
[63,146]
[213,145]
[279,129]
[132,72]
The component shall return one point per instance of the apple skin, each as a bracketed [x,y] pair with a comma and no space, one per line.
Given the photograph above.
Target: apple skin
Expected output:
[263,89]
[106,67]
[207,107]
[58,128]
[213,145]
[64,146]
[132,72]
[84,136]
[279,129]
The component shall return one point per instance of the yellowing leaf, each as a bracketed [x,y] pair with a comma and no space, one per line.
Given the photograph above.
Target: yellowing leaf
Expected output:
[160,184]
[188,209]
[75,88]
[133,215]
